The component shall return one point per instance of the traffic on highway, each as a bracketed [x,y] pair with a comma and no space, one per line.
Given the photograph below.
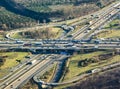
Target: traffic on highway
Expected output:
[78,40]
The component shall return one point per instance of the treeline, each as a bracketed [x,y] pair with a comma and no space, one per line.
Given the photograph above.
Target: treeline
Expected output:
[56,2]
[13,15]
[88,61]
[9,20]
[25,13]
[12,6]
[2,60]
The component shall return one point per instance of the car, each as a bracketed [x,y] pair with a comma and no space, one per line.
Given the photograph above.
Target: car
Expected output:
[27,44]
[117,43]
[19,42]
[70,36]
[27,56]
[74,46]
[6,83]
[11,86]
[85,47]
[89,28]
[86,31]
[96,46]
[69,45]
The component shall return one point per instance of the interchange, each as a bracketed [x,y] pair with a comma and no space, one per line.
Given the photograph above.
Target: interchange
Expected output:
[75,46]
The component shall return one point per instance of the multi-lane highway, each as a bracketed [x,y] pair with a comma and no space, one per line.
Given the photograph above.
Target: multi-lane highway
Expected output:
[78,78]
[14,81]
[65,45]
[105,16]
[22,69]
[29,73]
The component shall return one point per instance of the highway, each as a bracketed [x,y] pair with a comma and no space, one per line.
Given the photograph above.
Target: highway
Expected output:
[98,13]
[25,74]
[78,47]
[21,66]
[21,70]
[65,46]
[39,67]
[78,78]
[95,24]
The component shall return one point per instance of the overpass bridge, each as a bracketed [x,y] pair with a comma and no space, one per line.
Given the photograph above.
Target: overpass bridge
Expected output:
[48,46]
[64,48]
[60,46]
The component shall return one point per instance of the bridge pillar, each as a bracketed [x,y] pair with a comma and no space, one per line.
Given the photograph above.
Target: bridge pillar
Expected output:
[44,51]
[39,86]
[42,86]
[118,51]
[33,50]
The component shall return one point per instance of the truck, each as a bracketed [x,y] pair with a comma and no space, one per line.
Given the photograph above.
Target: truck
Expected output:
[96,46]
[27,44]
[69,45]
[37,43]
[19,42]
[97,41]
[63,53]
[31,62]
[96,70]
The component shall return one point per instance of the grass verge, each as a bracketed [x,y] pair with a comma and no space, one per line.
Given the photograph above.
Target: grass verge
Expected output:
[52,32]
[109,34]
[10,61]
[75,71]
[115,24]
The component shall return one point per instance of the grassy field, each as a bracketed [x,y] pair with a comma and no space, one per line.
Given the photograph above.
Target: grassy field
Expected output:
[109,34]
[115,24]
[1,36]
[74,70]
[54,31]
[57,32]
[11,61]
[48,75]
[73,66]
[17,36]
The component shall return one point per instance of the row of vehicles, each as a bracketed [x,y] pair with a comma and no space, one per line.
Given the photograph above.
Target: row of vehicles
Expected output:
[28,43]
[66,43]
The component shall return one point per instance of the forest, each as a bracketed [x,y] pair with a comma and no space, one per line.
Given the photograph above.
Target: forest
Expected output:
[26,13]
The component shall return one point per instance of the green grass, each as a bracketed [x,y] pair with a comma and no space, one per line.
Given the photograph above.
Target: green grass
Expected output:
[54,30]
[17,36]
[48,75]
[11,61]
[57,32]
[113,24]
[44,9]
[1,37]
[74,70]
[109,34]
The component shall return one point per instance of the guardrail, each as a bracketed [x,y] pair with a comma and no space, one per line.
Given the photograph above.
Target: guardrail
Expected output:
[97,70]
